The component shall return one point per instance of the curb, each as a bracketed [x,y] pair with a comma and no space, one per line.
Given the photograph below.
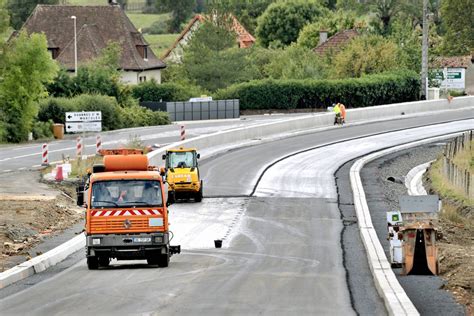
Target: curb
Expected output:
[413,179]
[394,296]
[42,262]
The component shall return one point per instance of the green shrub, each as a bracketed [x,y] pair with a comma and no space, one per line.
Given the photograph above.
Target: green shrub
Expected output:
[107,105]
[136,116]
[166,92]
[55,109]
[42,130]
[298,94]
[158,27]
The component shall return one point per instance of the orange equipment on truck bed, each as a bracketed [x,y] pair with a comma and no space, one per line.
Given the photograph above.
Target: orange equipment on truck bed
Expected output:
[126,211]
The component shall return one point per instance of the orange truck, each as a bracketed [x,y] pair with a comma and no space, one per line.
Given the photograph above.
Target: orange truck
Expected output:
[126,211]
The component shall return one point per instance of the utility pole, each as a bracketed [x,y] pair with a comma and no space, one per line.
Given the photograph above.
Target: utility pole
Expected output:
[75,45]
[424,53]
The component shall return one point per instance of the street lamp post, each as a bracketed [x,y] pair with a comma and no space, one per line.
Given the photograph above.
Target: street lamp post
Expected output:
[75,45]
[424,52]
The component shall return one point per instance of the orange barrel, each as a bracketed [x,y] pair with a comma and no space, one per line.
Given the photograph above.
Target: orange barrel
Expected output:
[126,162]
[58,131]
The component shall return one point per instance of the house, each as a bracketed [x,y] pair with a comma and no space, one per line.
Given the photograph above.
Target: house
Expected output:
[176,51]
[335,43]
[96,26]
[455,73]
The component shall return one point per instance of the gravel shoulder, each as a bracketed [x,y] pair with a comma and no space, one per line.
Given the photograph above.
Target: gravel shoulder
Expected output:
[428,293]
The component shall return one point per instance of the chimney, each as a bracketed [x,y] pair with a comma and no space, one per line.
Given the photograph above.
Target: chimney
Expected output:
[323,36]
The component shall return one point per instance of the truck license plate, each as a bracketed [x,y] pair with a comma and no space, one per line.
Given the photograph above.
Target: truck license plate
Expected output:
[142,239]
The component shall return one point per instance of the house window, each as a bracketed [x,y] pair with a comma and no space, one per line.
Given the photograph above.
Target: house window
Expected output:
[54,52]
[141,78]
[143,51]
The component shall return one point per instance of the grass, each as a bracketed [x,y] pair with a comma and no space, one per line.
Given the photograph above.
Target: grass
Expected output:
[465,158]
[160,43]
[444,188]
[141,20]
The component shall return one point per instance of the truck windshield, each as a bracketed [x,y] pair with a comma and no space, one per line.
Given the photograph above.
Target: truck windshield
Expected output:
[182,160]
[126,193]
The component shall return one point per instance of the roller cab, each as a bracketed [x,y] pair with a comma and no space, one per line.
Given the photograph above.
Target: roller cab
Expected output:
[182,174]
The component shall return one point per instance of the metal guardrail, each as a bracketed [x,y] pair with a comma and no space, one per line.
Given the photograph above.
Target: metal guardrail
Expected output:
[193,111]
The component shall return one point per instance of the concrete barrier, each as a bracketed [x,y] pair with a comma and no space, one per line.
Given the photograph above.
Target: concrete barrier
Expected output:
[395,299]
[398,110]
[414,179]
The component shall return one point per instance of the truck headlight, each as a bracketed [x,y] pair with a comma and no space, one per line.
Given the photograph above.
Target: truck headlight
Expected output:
[158,239]
[96,241]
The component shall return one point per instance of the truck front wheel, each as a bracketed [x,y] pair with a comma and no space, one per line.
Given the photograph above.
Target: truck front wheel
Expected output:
[93,263]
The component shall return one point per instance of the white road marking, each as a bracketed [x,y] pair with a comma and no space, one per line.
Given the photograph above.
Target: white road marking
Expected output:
[8,170]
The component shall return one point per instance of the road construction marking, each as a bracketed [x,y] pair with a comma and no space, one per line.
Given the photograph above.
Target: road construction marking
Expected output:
[8,170]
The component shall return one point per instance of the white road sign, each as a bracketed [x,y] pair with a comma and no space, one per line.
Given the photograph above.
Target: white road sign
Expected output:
[75,127]
[83,116]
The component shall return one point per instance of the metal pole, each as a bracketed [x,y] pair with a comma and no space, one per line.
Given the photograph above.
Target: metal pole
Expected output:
[424,52]
[75,45]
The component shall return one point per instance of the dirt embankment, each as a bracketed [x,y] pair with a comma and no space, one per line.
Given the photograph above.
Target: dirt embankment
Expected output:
[456,249]
[31,211]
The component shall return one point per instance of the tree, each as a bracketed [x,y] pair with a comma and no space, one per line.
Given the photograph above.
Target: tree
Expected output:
[100,76]
[296,62]
[20,10]
[369,54]
[385,11]
[213,60]
[180,10]
[4,17]
[282,21]
[26,68]
[333,22]
[458,21]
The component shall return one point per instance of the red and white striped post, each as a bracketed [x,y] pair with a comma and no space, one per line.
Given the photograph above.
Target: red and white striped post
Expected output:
[183,133]
[44,155]
[79,147]
[98,144]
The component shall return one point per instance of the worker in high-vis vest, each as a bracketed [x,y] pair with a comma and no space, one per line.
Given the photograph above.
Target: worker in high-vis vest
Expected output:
[342,108]
[337,111]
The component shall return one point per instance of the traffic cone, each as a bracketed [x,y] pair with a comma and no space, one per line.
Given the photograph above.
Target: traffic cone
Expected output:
[59,173]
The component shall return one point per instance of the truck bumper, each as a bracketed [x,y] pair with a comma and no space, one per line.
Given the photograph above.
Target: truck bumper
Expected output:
[125,246]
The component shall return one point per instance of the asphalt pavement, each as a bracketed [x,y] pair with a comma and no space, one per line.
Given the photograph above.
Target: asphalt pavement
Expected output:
[284,253]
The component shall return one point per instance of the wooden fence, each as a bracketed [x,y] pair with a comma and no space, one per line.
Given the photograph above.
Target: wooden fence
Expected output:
[460,178]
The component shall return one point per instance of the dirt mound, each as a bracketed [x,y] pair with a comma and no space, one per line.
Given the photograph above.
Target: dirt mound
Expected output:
[25,220]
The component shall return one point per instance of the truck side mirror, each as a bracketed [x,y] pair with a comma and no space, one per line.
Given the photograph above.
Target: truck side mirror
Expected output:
[80,195]
[163,157]
[198,156]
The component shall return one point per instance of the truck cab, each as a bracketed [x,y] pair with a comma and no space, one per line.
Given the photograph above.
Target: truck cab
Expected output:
[126,212]
[182,174]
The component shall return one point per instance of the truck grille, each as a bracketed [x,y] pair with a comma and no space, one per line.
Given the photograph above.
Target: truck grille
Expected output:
[117,225]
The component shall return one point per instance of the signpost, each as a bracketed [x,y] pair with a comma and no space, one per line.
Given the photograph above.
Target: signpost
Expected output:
[78,122]
[451,78]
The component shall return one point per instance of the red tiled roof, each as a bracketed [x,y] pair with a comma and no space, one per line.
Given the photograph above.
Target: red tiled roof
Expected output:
[336,42]
[96,27]
[244,37]
[452,62]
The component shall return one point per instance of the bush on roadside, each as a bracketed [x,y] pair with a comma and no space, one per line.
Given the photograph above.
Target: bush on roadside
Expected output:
[42,129]
[136,116]
[166,92]
[113,116]
[299,94]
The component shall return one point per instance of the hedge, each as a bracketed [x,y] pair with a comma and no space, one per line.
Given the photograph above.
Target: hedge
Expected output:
[166,92]
[300,94]
[113,115]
